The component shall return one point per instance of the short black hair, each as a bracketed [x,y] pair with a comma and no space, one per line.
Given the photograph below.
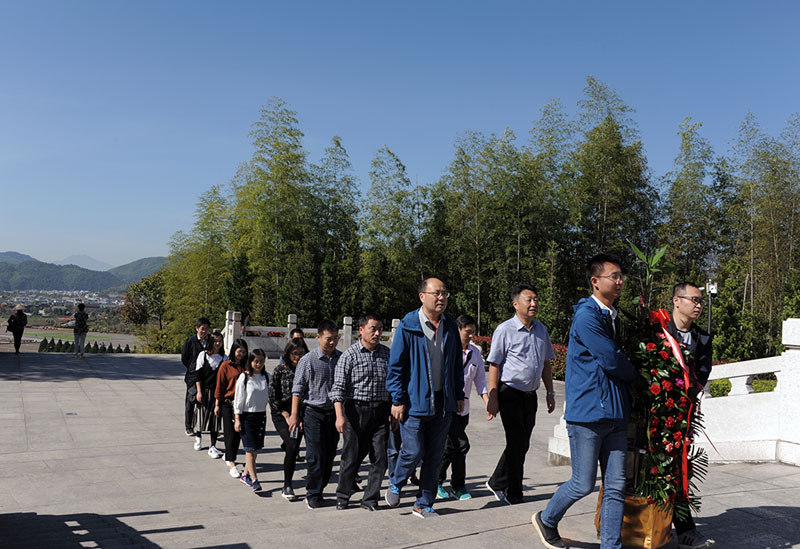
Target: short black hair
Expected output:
[296,331]
[595,265]
[465,320]
[327,325]
[423,284]
[81,306]
[201,321]
[365,318]
[681,287]
[521,287]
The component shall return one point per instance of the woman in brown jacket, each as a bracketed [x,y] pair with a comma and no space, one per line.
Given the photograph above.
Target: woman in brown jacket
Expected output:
[227,374]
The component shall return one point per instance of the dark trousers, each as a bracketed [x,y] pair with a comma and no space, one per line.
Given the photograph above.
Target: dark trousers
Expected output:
[191,400]
[682,526]
[455,453]
[364,434]
[321,440]
[232,438]
[292,446]
[17,339]
[518,413]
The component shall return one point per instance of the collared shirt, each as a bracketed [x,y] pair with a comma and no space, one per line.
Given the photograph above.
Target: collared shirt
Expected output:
[520,353]
[474,372]
[314,377]
[612,312]
[435,352]
[361,374]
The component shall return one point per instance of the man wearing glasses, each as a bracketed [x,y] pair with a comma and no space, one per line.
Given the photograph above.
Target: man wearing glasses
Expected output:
[598,407]
[687,304]
[426,385]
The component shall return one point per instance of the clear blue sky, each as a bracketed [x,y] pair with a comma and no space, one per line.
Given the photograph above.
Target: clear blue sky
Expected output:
[115,116]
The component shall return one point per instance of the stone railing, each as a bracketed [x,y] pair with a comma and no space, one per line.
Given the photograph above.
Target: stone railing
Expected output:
[273,339]
[744,425]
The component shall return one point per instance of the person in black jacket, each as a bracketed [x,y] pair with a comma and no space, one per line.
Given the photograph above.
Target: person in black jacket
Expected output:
[16,325]
[687,304]
[191,349]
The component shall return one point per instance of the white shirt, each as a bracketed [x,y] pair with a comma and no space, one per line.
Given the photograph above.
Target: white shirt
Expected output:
[611,311]
[474,372]
[252,398]
[213,360]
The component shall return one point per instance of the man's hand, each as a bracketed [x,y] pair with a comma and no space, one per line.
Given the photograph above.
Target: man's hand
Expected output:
[216,410]
[393,423]
[460,406]
[492,407]
[237,425]
[399,412]
[341,421]
[551,403]
[199,398]
[292,423]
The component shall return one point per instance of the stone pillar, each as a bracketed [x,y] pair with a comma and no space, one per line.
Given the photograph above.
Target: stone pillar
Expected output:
[291,325]
[347,333]
[788,450]
[232,330]
[558,444]
[395,324]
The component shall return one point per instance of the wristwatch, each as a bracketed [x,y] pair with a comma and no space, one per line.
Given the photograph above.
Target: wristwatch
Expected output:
[551,393]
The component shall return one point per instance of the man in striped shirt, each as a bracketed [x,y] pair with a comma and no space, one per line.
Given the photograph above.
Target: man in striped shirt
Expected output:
[362,405]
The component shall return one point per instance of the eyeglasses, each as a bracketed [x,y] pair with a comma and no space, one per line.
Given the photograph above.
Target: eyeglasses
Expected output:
[614,277]
[440,293]
[695,300]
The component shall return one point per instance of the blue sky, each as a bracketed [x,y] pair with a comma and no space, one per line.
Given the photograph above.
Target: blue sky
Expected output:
[115,116]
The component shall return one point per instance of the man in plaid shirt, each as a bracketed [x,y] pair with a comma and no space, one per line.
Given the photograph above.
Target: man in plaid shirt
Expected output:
[362,406]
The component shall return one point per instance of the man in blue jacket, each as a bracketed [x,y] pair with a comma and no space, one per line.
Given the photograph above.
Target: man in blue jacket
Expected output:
[426,384]
[597,407]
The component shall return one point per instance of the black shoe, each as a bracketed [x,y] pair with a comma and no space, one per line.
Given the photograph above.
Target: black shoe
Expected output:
[288,493]
[300,459]
[550,536]
[413,479]
[369,505]
[341,504]
[514,500]
[314,502]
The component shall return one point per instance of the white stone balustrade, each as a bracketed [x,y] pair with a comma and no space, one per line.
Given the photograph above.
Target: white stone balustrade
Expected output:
[743,426]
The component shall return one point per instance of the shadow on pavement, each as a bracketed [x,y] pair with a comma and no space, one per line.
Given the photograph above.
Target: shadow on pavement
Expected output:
[78,530]
[64,367]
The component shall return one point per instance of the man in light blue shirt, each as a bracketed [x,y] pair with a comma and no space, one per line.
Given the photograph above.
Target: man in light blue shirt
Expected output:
[520,357]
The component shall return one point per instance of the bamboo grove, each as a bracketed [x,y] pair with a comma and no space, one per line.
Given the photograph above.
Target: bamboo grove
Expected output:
[291,235]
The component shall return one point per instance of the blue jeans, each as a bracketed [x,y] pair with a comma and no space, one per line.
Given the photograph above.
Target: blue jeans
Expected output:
[588,444]
[423,439]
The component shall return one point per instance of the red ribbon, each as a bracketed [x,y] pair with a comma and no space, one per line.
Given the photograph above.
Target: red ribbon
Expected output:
[662,317]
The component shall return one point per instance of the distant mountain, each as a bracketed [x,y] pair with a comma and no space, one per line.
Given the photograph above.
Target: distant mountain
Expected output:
[14,257]
[85,262]
[36,275]
[137,270]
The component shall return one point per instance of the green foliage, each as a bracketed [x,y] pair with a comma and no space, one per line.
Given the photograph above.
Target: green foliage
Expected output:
[51,347]
[127,349]
[93,348]
[43,346]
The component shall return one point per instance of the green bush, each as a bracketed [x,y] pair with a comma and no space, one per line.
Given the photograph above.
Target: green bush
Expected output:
[721,387]
[51,347]
[43,346]
[126,349]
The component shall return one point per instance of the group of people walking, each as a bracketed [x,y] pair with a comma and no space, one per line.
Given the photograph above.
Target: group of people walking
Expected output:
[420,389]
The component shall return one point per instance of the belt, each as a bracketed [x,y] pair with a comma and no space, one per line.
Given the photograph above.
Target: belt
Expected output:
[370,403]
[326,411]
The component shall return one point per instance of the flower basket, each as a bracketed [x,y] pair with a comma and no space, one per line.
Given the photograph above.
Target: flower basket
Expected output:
[643,524]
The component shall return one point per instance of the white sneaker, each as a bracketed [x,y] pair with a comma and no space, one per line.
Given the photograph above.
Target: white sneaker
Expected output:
[694,540]
[198,444]
[214,453]
[234,472]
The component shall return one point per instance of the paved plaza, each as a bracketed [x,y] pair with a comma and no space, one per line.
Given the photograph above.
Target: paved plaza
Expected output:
[94,455]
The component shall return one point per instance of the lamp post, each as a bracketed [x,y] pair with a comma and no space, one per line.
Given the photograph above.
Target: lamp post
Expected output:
[711,291]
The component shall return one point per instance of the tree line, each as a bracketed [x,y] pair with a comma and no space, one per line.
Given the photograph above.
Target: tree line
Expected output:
[288,235]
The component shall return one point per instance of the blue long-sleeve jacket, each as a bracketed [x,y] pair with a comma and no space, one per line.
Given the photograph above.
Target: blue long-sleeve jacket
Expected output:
[598,372]
[409,377]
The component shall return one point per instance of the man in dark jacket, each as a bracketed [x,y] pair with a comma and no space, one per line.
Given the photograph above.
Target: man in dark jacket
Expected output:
[189,353]
[16,325]
[597,407]
[687,304]
[425,381]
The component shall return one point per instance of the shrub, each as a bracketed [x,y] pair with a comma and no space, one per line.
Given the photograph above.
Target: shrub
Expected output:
[43,346]
[560,362]
[127,349]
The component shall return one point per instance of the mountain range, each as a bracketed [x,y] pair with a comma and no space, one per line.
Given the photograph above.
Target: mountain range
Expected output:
[22,272]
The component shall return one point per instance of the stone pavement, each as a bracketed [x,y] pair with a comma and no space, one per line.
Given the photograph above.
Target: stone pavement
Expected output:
[94,455]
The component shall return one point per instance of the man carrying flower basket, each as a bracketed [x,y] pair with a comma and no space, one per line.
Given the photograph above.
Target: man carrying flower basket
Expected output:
[597,407]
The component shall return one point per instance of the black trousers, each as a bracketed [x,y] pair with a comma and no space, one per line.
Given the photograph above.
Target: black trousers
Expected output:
[17,339]
[191,401]
[455,453]
[364,434]
[232,437]
[321,440]
[518,413]
[292,448]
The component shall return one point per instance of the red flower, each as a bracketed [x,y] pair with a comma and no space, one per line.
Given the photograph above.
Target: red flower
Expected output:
[666,385]
[651,346]
[654,372]
[670,403]
[654,421]
[682,402]
[664,355]
[653,431]
[677,444]
[680,417]
[650,501]
[669,423]
[655,388]
[677,435]
[654,470]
